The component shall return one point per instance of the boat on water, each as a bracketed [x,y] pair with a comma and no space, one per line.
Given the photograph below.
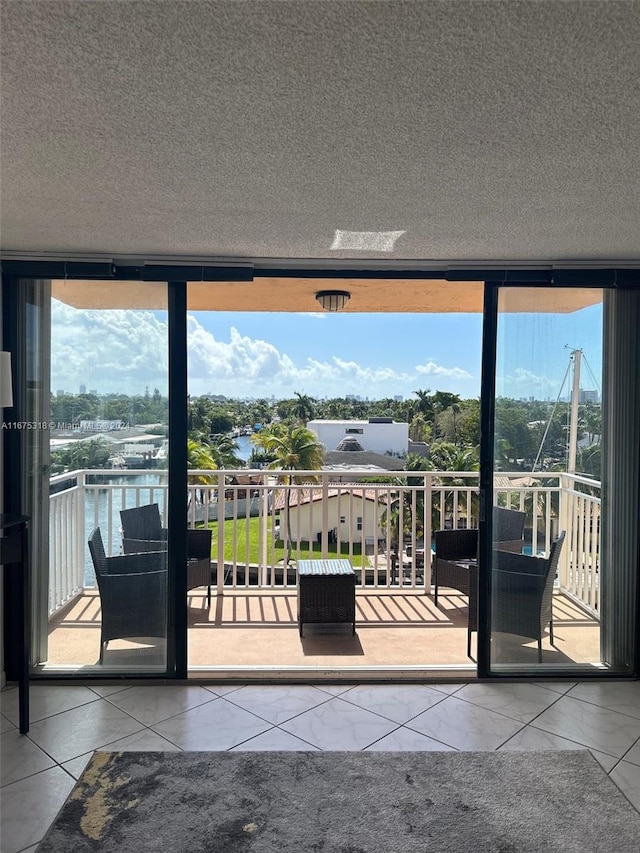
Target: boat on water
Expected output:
[129,461]
[116,462]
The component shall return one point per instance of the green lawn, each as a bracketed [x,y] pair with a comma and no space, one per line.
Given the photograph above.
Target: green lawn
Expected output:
[275,551]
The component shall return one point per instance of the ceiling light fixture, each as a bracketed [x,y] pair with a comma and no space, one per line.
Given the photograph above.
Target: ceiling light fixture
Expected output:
[333,300]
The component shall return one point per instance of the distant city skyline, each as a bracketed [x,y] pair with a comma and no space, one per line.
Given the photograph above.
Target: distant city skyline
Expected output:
[256,355]
[585,396]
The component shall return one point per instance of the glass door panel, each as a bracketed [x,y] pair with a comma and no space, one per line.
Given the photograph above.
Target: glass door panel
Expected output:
[547,563]
[107,423]
[378,386]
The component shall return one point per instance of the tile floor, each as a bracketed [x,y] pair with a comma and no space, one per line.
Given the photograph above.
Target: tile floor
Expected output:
[38,771]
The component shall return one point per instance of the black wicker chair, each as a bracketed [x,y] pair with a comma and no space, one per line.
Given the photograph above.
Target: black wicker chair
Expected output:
[453,546]
[142,530]
[133,593]
[144,523]
[522,590]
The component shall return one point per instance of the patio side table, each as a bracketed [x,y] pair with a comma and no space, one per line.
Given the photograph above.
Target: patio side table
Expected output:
[326,592]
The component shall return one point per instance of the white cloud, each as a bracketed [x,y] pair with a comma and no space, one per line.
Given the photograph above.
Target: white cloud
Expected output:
[111,351]
[229,367]
[526,383]
[356,375]
[433,369]
[126,351]
[249,367]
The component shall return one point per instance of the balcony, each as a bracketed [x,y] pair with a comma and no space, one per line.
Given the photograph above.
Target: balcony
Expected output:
[380,525]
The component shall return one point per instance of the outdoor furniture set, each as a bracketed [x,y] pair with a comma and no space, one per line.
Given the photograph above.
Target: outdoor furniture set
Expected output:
[133,585]
[142,531]
[522,585]
[133,593]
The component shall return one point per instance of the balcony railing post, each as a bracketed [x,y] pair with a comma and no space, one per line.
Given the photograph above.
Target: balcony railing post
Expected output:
[564,517]
[428,532]
[81,533]
[325,516]
[264,530]
[220,549]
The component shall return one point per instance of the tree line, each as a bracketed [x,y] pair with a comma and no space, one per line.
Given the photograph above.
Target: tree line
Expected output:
[449,424]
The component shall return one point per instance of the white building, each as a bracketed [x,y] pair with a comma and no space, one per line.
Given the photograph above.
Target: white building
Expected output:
[379,435]
[352,514]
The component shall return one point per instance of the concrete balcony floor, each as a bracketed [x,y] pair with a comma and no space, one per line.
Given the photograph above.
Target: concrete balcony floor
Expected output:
[258,628]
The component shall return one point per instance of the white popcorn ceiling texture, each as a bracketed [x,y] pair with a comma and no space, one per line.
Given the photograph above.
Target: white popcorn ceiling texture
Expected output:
[465,132]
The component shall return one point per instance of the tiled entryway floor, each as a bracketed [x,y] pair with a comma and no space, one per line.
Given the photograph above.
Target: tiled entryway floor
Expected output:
[68,722]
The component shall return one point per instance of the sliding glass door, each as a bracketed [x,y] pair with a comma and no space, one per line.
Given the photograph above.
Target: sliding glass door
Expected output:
[563,566]
[95,453]
[554,591]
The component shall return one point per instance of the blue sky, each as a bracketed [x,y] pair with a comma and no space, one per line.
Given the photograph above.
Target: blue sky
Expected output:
[533,352]
[325,355]
[265,354]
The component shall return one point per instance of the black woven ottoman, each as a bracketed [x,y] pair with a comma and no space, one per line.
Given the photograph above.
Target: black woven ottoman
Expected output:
[326,592]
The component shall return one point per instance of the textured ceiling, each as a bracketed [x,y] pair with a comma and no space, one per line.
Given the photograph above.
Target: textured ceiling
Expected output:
[486,131]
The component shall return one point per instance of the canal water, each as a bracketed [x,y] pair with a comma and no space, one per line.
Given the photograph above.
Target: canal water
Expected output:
[244,447]
[98,514]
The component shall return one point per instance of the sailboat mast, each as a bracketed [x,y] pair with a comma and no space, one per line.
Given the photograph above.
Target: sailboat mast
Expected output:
[573,424]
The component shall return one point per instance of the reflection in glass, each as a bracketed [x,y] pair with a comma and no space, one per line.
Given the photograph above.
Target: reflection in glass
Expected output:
[545,605]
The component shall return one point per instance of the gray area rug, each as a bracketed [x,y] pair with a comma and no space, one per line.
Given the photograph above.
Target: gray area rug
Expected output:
[344,802]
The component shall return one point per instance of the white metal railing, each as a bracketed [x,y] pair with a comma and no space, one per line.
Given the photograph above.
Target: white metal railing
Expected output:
[579,571]
[66,554]
[334,514]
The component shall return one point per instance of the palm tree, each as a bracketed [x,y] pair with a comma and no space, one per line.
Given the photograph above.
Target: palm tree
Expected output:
[419,429]
[446,422]
[425,404]
[400,514]
[293,447]
[443,399]
[260,411]
[224,450]
[592,418]
[82,454]
[199,413]
[199,458]
[336,409]
[445,456]
[303,407]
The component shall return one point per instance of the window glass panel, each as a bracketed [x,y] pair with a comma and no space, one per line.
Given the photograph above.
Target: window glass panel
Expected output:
[108,426]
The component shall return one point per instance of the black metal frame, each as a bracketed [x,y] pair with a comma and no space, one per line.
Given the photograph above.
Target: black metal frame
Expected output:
[177,277]
[487,428]
[247,271]
[177,482]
